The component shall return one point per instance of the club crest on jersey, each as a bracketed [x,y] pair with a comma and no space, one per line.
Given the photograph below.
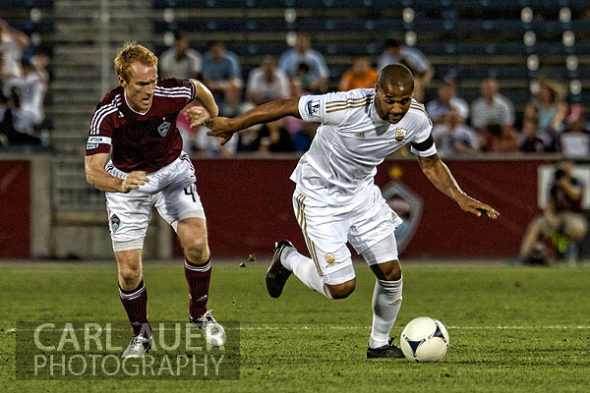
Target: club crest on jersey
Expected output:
[115,223]
[164,128]
[400,134]
[313,108]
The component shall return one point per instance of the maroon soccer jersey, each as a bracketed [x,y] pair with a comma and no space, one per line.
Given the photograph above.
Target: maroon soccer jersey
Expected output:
[140,142]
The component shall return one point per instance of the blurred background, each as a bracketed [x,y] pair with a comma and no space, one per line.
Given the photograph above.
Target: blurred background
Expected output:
[504,81]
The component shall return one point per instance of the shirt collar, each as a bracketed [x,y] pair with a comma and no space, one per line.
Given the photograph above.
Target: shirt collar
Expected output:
[136,113]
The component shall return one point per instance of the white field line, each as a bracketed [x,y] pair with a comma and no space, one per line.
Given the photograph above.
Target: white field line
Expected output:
[320,327]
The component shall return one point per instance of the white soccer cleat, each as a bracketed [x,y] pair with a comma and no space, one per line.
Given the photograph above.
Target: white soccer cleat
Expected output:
[137,348]
[213,332]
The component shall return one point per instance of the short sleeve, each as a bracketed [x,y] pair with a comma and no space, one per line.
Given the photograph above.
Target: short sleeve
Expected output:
[423,144]
[325,108]
[101,130]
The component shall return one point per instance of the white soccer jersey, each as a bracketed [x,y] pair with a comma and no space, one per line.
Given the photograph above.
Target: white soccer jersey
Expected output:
[352,140]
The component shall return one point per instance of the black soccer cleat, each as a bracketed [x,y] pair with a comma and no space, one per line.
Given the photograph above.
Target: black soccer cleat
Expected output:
[277,274]
[390,350]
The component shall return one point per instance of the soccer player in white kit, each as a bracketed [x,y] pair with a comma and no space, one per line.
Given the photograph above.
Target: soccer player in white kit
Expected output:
[335,199]
[136,124]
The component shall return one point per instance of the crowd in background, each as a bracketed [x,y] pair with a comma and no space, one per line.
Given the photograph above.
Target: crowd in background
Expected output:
[23,83]
[488,124]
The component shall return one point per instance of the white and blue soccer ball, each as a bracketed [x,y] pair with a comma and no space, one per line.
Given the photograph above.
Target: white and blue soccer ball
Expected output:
[424,339]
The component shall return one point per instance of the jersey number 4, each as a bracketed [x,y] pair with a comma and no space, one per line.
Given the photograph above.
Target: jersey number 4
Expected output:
[192,191]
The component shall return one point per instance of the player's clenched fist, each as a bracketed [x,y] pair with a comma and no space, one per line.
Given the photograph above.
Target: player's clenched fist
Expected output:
[134,180]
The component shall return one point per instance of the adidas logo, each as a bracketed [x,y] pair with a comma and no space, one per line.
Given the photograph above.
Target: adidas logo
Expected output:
[360,134]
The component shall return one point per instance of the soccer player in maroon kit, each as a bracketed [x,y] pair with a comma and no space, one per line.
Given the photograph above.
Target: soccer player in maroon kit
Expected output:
[136,124]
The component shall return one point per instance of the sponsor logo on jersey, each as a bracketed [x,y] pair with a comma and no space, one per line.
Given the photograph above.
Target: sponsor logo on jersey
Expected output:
[400,134]
[164,128]
[330,259]
[115,223]
[313,108]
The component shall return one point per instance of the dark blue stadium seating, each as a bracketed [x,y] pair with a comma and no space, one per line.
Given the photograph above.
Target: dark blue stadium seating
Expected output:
[462,38]
[16,4]
[29,26]
[482,72]
[201,25]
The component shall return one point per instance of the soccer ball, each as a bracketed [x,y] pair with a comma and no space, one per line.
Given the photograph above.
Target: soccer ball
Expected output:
[424,339]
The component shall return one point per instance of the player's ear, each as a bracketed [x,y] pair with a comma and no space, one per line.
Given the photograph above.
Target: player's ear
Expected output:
[122,81]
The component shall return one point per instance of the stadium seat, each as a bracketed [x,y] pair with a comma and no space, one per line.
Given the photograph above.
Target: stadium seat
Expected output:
[13,4]
[347,49]
[256,48]
[206,25]
[29,26]
[479,72]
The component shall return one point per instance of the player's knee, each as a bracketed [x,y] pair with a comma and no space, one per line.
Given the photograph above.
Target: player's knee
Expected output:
[130,274]
[343,290]
[388,271]
[197,251]
[394,273]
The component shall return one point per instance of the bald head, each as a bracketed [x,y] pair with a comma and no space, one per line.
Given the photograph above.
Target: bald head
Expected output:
[396,75]
[393,95]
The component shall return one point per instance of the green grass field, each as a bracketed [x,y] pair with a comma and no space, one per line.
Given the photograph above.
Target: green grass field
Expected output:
[512,329]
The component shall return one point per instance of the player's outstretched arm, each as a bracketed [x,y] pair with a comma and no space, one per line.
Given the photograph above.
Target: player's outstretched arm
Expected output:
[225,127]
[439,174]
[209,110]
[98,177]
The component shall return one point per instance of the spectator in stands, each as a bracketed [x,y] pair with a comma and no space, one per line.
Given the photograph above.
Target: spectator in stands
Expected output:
[207,146]
[563,218]
[31,85]
[531,139]
[575,140]
[292,61]
[498,139]
[12,46]
[453,136]
[360,75]
[222,73]
[491,108]
[439,108]
[267,83]
[275,138]
[8,134]
[6,126]
[266,138]
[302,133]
[423,71]
[550,105]
[180,61]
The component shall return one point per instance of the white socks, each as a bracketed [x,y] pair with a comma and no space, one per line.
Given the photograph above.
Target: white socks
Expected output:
[305,270]
[387,300]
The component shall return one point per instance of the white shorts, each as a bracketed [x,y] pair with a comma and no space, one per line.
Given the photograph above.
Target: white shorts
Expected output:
[368,225]
[171,190]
